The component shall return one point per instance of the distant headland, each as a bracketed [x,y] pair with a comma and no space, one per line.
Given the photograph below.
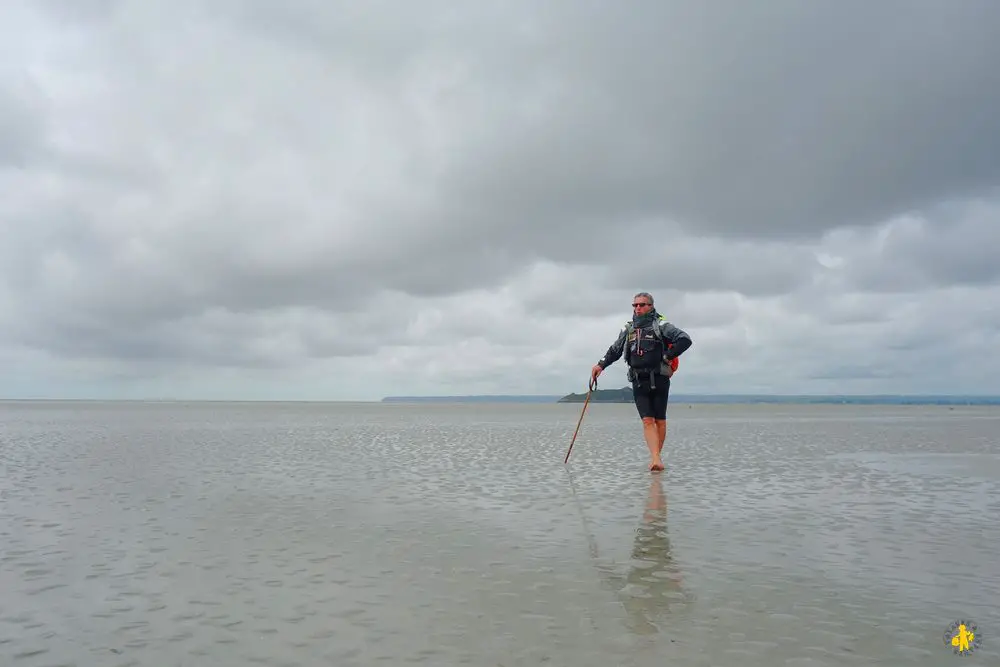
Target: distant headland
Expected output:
[624,395]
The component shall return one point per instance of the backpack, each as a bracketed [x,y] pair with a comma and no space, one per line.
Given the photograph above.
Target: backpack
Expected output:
[673,365]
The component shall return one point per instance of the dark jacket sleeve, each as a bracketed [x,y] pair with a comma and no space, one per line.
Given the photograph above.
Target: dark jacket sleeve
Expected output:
[614,352]
[679,339]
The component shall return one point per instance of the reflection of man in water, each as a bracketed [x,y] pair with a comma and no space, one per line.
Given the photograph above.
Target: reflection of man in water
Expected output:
[653,583]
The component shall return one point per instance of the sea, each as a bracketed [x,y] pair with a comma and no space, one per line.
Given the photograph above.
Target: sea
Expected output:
[170,534]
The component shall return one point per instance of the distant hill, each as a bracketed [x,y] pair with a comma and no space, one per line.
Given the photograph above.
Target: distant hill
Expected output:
[623,395]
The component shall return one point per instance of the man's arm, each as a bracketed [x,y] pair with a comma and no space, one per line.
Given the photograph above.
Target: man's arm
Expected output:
[677,338]
[614,352]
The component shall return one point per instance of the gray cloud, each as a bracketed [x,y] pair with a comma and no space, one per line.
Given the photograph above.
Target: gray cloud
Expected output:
[949,244]
[713,263]
[248,187]
[753,121]
[21,114]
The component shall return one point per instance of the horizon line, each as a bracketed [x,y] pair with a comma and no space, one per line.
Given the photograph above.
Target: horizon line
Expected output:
[677,397]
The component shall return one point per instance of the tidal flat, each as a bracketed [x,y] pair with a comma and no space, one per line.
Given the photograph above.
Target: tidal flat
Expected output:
[299,534]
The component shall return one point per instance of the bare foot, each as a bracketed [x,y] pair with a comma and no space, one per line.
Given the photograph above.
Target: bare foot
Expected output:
[655,466]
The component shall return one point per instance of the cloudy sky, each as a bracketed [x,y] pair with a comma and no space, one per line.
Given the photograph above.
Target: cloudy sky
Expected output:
[337,200]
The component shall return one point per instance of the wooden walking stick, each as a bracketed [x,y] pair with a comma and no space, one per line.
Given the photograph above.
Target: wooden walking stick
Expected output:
[590,388]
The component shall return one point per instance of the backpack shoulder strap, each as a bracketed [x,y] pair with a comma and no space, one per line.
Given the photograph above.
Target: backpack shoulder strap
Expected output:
[626,348]
[674,363]
[656,329]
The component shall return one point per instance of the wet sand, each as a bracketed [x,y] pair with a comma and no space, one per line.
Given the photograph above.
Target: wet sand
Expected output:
[366,534]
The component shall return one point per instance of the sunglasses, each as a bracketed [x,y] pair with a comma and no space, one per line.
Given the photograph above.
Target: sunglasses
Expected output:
[636,305]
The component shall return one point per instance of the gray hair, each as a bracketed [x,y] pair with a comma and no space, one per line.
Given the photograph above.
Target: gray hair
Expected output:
[647,295]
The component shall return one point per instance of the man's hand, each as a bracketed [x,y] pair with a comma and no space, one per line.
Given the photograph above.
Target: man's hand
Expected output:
[594,372]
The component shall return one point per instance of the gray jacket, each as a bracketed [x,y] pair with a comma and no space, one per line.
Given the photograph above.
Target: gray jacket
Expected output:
[678,339]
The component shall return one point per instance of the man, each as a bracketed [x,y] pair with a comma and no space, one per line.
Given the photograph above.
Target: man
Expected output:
[649,359]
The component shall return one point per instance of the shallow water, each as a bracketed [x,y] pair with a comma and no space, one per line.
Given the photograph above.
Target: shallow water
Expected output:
[316,534]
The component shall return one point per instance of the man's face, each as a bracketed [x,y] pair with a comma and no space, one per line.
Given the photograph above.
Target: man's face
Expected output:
[640,305]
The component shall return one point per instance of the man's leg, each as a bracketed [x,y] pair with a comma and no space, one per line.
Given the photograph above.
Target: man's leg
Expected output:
[653,442]
[645,405]
[660,399]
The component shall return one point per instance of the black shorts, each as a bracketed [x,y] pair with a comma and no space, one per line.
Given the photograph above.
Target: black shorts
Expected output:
[651,401]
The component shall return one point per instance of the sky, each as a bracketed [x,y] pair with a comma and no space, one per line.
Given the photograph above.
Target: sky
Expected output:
[324,200]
